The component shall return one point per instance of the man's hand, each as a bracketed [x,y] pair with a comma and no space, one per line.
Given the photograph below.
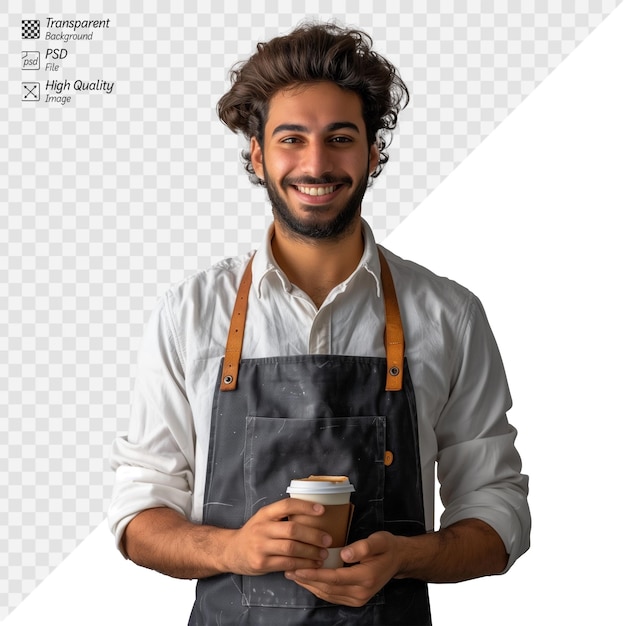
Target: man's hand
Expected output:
[269,543]
[468,549]
[163,540]
[377,562]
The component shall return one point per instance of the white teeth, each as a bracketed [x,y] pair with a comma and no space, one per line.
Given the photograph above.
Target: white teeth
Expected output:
[316,191]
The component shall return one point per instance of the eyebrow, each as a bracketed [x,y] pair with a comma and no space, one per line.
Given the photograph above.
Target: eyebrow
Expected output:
[298,128]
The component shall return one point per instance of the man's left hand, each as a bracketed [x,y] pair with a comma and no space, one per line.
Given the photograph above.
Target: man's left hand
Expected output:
[376,561]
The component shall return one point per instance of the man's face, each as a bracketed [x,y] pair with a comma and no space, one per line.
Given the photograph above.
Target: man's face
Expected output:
[315,159]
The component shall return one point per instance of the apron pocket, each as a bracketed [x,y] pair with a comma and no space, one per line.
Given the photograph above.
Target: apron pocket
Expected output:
[278,450]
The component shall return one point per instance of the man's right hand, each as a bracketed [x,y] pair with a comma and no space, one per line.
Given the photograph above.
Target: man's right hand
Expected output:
[163,540]
[268,542]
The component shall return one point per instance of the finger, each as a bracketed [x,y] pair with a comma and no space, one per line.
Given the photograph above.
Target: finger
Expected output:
[277,564]
[296,540]
[365,548]
[290,506]
[320,578]
[325,576]
[299,532]
[282,554]
[356,552]
[322,592]
[298,550]
[349,595]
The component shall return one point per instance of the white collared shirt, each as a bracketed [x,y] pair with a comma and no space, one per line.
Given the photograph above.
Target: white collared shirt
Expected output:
[460,386]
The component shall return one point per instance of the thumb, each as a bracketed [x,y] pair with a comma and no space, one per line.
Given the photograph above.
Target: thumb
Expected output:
[361,550]
[355,552]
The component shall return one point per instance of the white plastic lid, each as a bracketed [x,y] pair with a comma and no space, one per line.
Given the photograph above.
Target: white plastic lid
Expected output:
[321,484]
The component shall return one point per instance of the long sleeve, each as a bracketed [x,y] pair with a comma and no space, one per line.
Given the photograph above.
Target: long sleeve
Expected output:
[479,468]
[154,462]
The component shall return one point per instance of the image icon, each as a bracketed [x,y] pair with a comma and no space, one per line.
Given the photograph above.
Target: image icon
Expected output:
[30,92]
[30,29]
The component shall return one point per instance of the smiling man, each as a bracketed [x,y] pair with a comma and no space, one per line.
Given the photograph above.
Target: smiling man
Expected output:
[315,160]
[321,353]
[316,167]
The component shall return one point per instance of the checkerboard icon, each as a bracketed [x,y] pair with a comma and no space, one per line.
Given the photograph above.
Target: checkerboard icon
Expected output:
[30,29]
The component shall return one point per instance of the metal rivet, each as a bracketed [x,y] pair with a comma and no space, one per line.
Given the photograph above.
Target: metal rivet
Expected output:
[394,371]
[228,380]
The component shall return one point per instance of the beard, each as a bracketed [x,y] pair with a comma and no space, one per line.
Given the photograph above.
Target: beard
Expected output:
[317,227]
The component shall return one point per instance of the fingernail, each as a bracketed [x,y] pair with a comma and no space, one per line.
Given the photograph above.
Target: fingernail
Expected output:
[289,575]
[318,508]
[327,541]
[347,555]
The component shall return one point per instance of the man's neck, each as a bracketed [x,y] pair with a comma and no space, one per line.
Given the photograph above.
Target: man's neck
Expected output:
[317,266]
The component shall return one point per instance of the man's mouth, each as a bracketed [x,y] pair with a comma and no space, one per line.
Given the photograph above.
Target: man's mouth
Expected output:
[316,191]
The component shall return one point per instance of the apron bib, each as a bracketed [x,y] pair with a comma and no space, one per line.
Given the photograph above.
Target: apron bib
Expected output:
[279,418]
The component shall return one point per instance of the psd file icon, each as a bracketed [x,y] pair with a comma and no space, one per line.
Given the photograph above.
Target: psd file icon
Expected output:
[31,60]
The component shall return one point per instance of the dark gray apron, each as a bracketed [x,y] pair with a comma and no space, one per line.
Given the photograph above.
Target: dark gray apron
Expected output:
[279,418]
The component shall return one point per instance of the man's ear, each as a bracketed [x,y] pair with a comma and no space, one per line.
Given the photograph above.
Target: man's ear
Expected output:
[374,157]
[256,157]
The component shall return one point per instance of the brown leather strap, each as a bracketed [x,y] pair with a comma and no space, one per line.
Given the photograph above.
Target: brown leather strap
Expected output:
[234,343]
[394,336]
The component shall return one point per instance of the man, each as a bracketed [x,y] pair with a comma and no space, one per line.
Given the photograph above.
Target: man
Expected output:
[319,354]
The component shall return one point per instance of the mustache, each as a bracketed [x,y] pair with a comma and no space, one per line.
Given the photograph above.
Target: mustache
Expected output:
[323,180]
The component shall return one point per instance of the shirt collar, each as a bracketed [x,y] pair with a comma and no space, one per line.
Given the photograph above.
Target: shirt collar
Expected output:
[264,264]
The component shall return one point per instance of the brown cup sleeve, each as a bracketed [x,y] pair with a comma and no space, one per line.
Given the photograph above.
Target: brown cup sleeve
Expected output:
[335,521]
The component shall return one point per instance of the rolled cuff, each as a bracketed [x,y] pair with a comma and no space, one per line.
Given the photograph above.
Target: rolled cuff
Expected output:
[509,517]
[138,489]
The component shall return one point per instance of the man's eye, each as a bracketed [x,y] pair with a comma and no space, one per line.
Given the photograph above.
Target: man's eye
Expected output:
[289,140]
[341,139]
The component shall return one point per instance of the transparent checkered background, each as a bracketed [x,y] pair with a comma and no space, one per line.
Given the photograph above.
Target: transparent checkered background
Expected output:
[106,201]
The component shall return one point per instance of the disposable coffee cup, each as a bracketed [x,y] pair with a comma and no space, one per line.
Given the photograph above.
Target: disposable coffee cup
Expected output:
[334,493]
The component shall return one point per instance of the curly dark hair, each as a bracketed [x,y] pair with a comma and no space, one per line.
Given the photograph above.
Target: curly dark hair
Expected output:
[315,52]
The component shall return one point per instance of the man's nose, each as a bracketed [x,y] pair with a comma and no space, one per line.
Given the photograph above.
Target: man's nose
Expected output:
[317,159]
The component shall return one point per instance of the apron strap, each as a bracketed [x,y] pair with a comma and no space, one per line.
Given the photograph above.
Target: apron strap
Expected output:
[234,343]
[394,336]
